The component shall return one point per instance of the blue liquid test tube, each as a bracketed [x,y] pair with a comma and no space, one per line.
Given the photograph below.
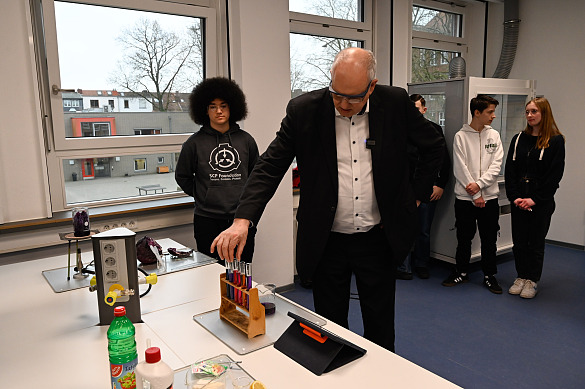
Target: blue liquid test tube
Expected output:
[231,279]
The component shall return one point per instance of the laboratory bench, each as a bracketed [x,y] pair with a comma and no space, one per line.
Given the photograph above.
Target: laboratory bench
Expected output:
[53,340]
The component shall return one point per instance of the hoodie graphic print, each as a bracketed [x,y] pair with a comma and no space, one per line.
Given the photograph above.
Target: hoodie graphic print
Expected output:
[213,168]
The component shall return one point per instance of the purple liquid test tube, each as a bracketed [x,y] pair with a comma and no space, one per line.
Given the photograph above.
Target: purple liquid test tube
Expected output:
[249,275]
[232,271]
[237,280]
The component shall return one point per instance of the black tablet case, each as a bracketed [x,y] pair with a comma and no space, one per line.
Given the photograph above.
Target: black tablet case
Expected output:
[317,357]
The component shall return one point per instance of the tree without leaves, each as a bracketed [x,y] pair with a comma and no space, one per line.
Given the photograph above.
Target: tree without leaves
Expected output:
[430,65]
[433,21]
[426,63]
[312,71]
[158,62]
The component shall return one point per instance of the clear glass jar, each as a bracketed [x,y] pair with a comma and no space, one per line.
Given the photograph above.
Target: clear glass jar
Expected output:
[80,218]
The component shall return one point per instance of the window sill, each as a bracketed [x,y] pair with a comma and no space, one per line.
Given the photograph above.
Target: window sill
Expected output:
[138,217]
[107,211]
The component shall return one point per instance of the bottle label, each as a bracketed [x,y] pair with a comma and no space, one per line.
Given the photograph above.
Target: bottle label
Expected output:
[123,376]
[121,346]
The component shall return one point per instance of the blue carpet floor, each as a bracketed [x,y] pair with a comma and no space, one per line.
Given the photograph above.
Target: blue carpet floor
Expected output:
[477,339]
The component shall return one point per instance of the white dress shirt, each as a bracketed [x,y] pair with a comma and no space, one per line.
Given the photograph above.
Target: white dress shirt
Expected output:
[357,208]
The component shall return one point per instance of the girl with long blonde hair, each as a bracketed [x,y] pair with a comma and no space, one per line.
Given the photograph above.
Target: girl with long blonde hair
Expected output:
[534,168]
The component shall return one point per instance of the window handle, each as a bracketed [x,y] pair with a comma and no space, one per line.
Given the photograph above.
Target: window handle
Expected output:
[56,89]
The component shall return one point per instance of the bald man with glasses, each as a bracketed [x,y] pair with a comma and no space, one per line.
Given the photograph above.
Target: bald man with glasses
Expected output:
[357,208]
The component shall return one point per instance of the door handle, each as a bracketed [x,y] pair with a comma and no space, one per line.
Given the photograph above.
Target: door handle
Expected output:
[55,89]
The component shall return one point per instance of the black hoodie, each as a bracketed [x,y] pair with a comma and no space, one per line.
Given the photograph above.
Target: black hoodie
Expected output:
[213,168]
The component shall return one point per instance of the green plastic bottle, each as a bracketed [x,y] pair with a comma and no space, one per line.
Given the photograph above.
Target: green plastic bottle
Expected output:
[122,350]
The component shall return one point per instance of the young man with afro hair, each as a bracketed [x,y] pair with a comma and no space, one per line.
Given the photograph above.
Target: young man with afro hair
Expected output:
[215,161]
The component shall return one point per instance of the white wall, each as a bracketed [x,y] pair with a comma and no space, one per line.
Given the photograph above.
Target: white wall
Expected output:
[550,51]
[260,58]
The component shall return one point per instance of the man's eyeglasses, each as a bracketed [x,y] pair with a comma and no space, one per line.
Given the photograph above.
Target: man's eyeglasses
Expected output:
[352,99]
[214,108]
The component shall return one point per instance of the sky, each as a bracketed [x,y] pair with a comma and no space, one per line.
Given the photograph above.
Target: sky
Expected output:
[88,49]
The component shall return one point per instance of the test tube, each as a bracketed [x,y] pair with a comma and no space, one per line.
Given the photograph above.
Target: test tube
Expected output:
[232,275]
[249,275]
[227,278]
[240,284]
[244,284]
[237,281]
[248,282]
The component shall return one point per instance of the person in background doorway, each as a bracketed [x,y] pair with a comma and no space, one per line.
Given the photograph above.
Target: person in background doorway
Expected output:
[534,168]
[477,160]
[357,207]
[215,162]
[420,255]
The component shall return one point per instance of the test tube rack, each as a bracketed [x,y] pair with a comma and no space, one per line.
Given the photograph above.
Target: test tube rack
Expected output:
[252,321]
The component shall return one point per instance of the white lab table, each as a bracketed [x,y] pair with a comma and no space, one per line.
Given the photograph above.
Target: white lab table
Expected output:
[52,340]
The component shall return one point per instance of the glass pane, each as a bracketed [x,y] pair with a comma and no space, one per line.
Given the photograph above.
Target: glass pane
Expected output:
[132,77]
[436,22]
[430,65]
[338,9]
[510,119]
[110,178]
[311,57]
[435,104]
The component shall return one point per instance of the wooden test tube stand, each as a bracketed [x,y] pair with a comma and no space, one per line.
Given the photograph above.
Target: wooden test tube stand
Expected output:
[252,325]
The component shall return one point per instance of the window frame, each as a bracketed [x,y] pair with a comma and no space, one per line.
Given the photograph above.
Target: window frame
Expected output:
[302,23]
[61,142]
[58,148]
[325,21]
[438,42]
[315,25]
[143,160]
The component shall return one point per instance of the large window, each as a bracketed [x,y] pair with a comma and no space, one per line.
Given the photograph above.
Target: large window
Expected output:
[319,30]
[132,65]
[437,38]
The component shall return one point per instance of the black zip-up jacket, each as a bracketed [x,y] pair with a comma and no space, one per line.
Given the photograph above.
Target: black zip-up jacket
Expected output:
[444,172]
[214,167]
[531,172]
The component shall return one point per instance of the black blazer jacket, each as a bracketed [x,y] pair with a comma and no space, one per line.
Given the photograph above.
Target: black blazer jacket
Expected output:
[308,132]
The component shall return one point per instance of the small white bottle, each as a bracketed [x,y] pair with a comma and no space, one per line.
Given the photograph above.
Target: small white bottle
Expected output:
[154,373]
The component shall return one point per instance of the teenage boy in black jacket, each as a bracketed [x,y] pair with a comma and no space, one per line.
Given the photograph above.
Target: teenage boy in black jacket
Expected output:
[420,255]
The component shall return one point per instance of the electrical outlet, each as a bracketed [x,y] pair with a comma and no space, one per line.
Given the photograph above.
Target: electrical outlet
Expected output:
[110,261]
[133,224]
[106,227]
